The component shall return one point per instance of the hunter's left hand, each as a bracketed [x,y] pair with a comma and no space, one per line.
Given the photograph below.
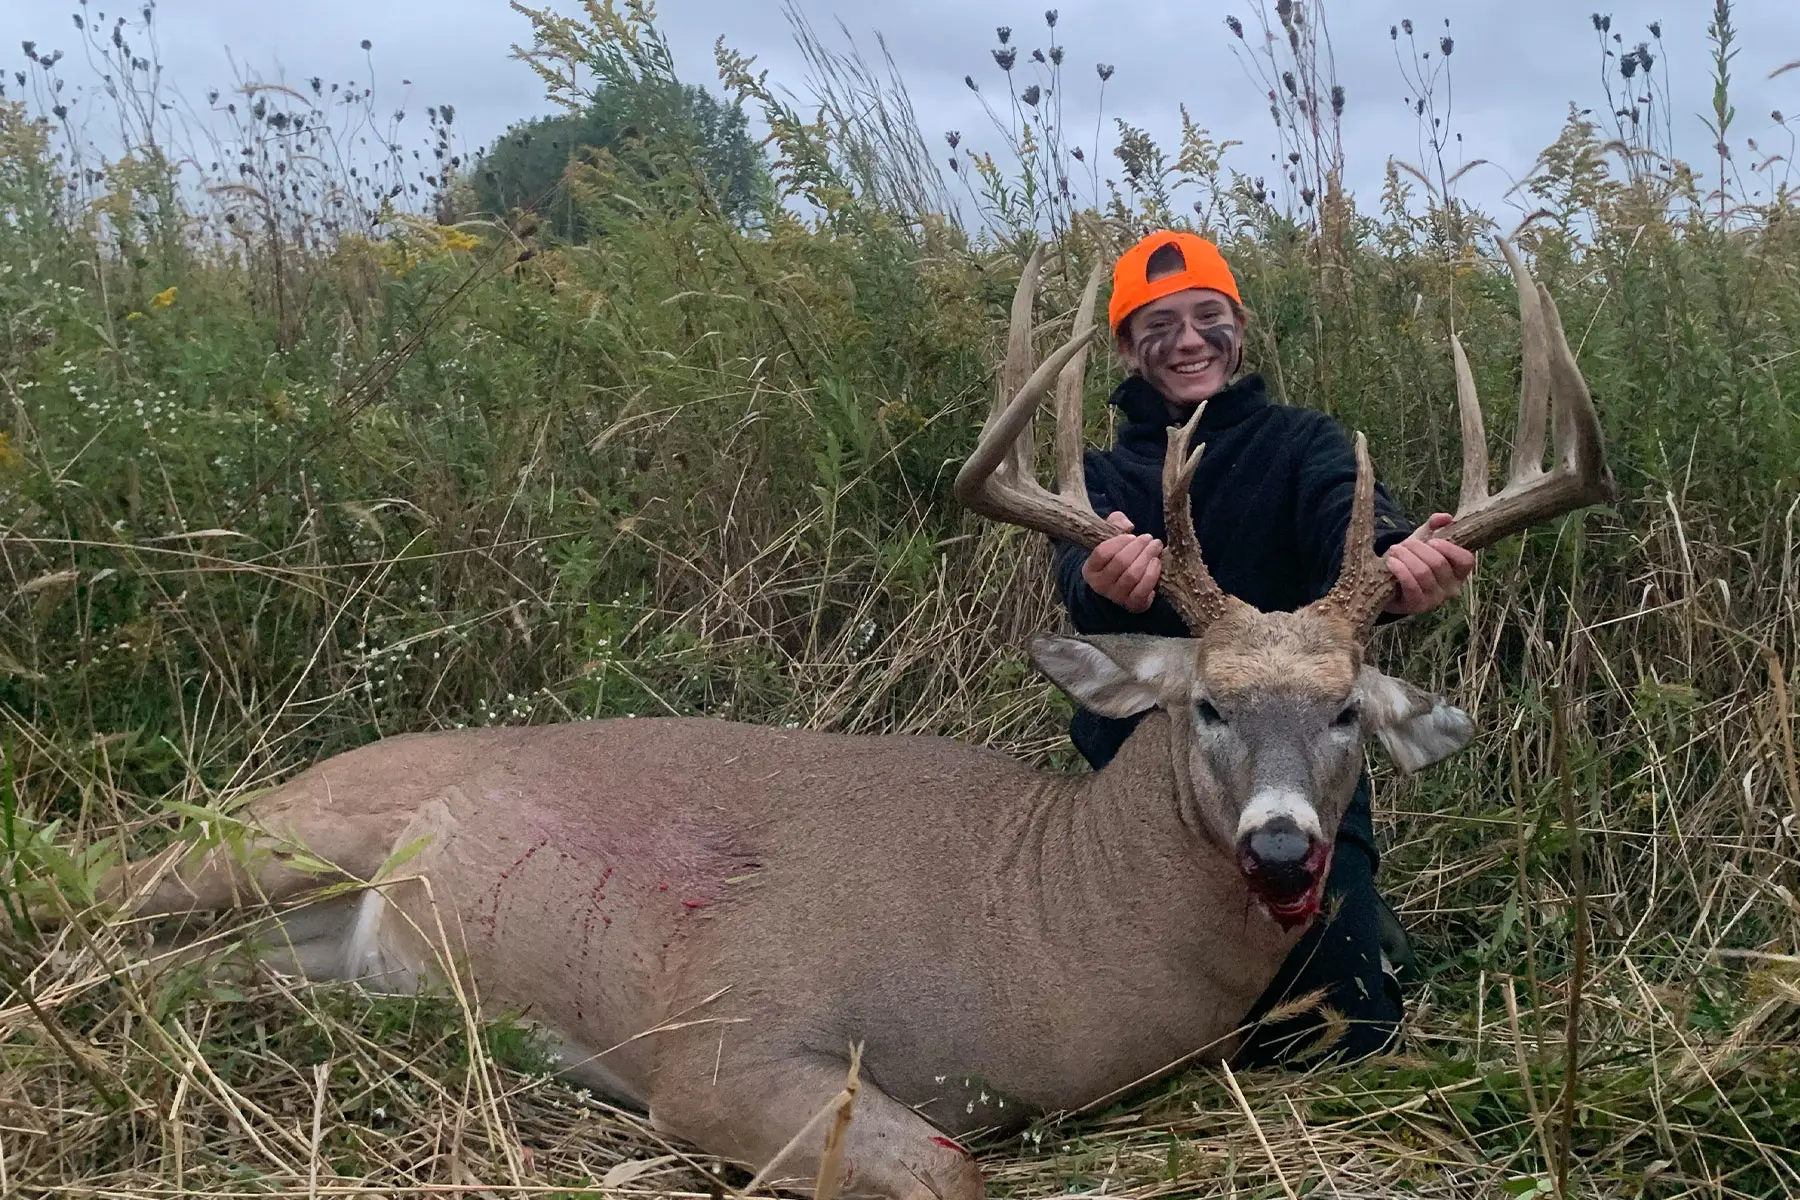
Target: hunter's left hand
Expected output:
[1429,570]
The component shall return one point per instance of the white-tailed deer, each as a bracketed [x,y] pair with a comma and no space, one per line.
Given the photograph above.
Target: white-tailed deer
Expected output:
[707,915]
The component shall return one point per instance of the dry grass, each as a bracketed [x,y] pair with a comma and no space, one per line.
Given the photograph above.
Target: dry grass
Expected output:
[124,1077]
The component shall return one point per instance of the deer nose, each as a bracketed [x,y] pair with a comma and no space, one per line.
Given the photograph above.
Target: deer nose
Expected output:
[1280,844]
[1278,853]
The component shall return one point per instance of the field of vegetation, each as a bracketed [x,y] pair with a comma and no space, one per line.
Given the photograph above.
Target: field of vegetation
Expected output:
[306,439]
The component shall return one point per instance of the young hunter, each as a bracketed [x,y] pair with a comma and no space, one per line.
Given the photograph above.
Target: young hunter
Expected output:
[1271,500]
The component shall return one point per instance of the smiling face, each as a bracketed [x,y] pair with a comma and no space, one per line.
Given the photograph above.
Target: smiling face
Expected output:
[1186,345]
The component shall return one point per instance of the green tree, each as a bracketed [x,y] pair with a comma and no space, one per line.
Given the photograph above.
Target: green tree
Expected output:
[525,167]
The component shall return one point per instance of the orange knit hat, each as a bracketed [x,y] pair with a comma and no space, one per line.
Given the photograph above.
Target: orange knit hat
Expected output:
[1202,267]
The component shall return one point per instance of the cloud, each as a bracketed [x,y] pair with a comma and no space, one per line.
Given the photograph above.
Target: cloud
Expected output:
[1517,66]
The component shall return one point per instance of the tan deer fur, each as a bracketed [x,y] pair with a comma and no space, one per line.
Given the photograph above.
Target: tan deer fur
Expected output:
[1000,940]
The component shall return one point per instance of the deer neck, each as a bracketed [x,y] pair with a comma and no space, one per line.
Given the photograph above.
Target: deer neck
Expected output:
[1109,876]
[1130,830]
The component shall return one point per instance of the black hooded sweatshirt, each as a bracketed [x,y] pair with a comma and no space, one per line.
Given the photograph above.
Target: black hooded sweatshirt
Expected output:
[1271,501]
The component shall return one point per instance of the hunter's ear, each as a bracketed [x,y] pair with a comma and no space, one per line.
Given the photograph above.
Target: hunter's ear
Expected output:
[1115,674]
[1417,728]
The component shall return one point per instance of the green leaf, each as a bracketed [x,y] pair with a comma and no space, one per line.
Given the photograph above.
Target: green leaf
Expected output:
[402,856]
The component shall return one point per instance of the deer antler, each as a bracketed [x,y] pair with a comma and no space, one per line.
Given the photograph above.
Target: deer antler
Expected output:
[998,482]
[1578,478]
[1190,586]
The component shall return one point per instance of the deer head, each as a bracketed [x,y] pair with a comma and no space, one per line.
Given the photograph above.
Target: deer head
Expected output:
[1269,712]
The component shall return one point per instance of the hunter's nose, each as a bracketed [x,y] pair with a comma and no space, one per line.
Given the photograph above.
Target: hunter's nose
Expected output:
[1277,853]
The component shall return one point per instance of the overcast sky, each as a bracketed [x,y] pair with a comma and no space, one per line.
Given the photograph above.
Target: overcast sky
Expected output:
[1517,64]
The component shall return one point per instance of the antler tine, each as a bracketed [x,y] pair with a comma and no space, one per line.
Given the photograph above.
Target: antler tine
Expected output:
[1017,367]
[1534,376]
[997,480]
[1578,478]
[1187,583]
[1364,584]
[1551,378]
[1071,477]
[1474,432]
[1580,445]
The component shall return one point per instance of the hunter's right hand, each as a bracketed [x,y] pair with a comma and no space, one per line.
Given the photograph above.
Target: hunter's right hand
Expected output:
[1125,568]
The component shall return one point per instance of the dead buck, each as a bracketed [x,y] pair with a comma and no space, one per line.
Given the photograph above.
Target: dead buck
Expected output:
[705,915]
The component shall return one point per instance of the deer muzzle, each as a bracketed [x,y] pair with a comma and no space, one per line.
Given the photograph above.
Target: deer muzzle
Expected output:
[1284,855]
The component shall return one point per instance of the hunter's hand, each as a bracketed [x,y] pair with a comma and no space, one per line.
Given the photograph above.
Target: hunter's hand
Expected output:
[1125,568]
[1429,570]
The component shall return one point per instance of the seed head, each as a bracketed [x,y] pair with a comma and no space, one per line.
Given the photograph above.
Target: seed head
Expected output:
[1056,55]
[1031,95]
[1236,26]
[1037,56]
[1050,17]
[1104,70]
[1004,33]
[1406,26]
[366,44]
[970,80]
[1006,57]
[1446,44]
[1656,29]
[1287,81]
[1337,99]
[1645,58]
[1079,156]
[954,138]
[1393,33]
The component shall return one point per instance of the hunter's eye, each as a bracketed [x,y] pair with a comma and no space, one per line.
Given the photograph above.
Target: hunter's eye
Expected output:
[1208,714]
[1346,716]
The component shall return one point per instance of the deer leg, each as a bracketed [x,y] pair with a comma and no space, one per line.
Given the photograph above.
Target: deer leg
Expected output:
[748,1113]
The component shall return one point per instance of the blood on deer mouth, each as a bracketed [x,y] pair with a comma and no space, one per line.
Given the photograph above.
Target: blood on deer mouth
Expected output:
[1291,906]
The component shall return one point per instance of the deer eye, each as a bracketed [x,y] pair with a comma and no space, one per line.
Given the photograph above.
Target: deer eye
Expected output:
[1208,714]
[1346,717]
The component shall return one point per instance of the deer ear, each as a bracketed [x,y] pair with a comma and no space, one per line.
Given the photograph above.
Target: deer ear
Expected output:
[1115,674]
[1417,728]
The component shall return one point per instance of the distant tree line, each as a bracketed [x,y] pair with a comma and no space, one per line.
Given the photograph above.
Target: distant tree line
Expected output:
[648,127]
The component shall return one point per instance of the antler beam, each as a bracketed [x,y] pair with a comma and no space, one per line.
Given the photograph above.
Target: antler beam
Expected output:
[998,479]
[1578,478]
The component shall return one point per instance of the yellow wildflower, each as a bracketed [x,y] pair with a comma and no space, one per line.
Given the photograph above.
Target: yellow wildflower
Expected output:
[9,457]
[165,297]
[456,239]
